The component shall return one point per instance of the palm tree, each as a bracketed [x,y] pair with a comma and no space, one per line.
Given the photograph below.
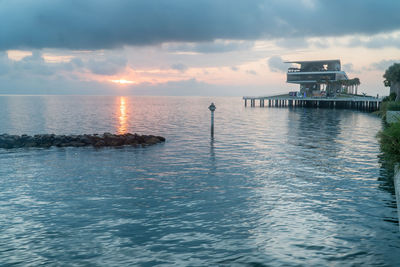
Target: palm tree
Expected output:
[347,83]
[351,84]
[357,83]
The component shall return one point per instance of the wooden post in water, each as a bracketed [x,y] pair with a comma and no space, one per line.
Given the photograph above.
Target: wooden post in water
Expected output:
[212,108]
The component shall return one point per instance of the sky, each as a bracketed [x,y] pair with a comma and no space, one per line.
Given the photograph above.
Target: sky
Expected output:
[189,47]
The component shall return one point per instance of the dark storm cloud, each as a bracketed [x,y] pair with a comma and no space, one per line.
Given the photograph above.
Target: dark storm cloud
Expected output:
[94,24]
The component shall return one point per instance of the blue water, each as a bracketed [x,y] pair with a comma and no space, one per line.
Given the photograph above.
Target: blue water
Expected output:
[276,187]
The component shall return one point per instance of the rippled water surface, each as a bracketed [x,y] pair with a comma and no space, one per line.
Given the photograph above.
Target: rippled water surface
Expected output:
[277,186]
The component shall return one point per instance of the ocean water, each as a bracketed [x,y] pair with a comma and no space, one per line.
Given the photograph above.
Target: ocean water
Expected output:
[275,187]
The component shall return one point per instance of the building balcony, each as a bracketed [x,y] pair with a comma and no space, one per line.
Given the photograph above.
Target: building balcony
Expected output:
[299,77]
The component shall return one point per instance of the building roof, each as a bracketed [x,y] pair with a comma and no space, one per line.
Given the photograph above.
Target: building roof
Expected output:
[316,61]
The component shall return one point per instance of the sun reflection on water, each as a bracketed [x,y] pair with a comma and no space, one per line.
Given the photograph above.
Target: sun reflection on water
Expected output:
[123,117]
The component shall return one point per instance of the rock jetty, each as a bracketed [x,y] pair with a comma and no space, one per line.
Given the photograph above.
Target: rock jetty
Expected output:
[96,140]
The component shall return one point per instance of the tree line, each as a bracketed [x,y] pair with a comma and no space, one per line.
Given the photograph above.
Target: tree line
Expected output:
[392,80]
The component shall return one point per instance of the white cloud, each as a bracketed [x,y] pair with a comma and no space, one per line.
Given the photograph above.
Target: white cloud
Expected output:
[383,64]
[276,64]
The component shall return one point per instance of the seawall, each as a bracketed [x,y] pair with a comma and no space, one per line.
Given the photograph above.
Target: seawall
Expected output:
[397,189]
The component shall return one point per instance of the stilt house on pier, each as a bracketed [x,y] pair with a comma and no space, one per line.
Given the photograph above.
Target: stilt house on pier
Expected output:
[321,78]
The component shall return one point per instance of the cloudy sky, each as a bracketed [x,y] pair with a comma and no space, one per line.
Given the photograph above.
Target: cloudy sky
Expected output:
[189,47]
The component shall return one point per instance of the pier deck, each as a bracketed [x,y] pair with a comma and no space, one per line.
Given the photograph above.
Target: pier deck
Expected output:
[365,103]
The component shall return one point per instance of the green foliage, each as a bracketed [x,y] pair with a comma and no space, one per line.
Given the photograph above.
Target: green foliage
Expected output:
[382,110]
[392,74]
[393,106]
[389,102]
[391,97]
[390,142]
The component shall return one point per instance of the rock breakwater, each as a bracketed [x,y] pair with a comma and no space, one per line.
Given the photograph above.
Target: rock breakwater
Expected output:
[96,140]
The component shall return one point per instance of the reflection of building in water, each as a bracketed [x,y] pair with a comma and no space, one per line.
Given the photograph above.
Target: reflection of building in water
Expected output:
[317,76]
[314,134]
[123,117]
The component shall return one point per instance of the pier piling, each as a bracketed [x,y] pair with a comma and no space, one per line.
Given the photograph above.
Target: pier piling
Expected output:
[357,102]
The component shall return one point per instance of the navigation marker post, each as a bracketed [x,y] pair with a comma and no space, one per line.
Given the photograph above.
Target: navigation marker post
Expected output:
[212,108]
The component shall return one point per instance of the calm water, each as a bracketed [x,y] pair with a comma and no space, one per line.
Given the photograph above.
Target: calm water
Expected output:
[277,186]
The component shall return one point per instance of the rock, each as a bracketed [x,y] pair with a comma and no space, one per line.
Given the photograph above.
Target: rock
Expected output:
[100,143]
[131,141]
[30,144]
[86,140]
[152,140]
[96,140]
[77,144]
[162,139]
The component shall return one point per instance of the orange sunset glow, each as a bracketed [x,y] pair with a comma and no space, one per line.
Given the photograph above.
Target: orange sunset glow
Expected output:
[123,117]
[123,81]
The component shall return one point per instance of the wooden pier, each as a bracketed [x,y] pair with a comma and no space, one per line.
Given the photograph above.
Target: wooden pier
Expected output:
[365,103]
